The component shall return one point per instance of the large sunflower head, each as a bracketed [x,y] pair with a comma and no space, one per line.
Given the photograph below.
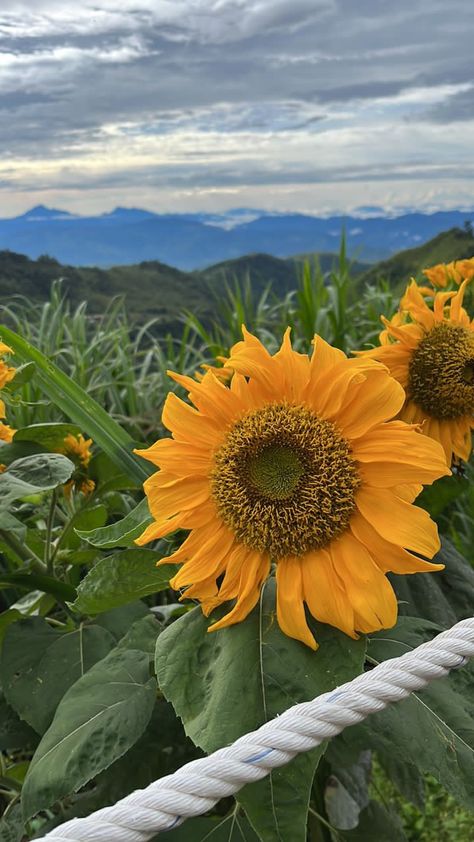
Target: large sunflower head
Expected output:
[294,465]
[430,351]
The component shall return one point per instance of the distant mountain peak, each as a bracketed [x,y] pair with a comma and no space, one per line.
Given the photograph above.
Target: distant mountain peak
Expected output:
[40,212]
[128,213]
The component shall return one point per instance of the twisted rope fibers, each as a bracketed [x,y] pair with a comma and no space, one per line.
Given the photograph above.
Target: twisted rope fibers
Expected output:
[195,788]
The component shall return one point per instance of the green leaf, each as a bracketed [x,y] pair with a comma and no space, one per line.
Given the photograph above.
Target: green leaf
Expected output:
[142,635]
[11,826]
[10,523]
[37,581]
[121,578]
[6,619]
[13,450]
[23,375]
[14,734]
[97,721]
[80,408]
[433,729]
[89,517]
[76,557]
[347,792]
[39,664]
[444,597]
[107,475]
[405,777]
[376,823]
[123,533]
[437,497]
[161,750]
[207,676]
[50,436]
[33,474]
[232,828]
[119,620]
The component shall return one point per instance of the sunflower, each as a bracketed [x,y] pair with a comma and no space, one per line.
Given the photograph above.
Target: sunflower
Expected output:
[457,271]
[430,351]
[295,465]
[78,450]
[7,373]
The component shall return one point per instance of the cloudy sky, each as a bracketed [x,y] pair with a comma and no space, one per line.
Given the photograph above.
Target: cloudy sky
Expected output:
[177,105]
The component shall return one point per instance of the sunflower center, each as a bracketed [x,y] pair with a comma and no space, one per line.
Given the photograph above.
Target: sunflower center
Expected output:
[441,372]
[275,472]
[284,480]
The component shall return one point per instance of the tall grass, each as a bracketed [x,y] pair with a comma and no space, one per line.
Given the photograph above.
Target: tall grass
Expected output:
[120,365]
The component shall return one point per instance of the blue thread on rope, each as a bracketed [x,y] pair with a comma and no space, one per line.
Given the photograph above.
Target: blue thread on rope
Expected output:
[177,819]
[335,695]
[256,757]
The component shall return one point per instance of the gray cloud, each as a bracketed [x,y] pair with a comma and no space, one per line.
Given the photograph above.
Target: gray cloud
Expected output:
[94,89]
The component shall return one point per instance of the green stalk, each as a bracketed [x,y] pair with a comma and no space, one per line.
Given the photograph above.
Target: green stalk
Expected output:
[23,551]
[80,408]
[48,550]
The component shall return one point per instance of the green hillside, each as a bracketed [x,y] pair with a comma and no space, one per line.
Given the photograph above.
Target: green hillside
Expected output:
[262,269]
[151,289]
[154,290]
[456,244]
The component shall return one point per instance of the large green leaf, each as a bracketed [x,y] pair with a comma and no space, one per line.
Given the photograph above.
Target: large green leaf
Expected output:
[444,597]
[11,615]
[227,683]
[38,664]
[80,408]
[121,578]
[118,621]
[51,436]
[377,824]
[33,474]
[11,826]
[89,517]
[123,533]
[161,750]
[233,828]
[142,635]
[101,716]
[14,733]
[433,729]
[347,791]
[17,450]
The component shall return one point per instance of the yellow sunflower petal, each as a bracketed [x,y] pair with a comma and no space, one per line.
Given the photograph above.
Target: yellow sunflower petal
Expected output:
[399,522]
[295,369]
[416,305]
[252,575]
[206,560]
[369,591]
[394,454]
[250,358]
[379,399]
[187,424]
[389,557]
[290,606]
[324,593]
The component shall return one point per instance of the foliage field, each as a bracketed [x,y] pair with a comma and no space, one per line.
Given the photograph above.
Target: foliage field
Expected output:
[82,608]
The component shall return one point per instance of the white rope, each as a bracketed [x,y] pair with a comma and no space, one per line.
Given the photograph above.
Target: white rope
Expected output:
[196,787]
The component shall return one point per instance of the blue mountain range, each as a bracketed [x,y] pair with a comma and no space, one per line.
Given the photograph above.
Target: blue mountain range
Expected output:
[196,240]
